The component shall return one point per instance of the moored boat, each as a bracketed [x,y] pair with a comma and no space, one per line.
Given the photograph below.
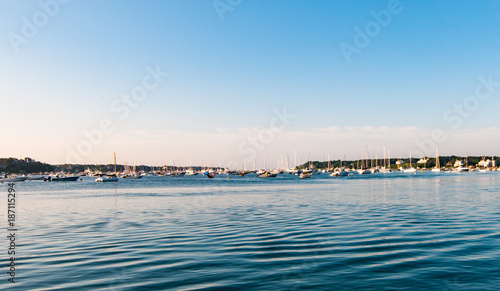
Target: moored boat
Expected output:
[13,178]
[305,175]
[109,178]
[266,174]
[63,178]
[437,168]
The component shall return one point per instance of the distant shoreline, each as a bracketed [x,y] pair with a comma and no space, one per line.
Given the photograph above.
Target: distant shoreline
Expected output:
[30,166]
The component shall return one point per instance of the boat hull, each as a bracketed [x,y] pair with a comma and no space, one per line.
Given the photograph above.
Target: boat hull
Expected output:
[104,180]
[13,179]
[64,179]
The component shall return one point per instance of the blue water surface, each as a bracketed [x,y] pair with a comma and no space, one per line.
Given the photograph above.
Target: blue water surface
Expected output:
[375,232]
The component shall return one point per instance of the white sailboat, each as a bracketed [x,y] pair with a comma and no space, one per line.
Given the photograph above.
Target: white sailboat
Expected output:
[109,178]
[411,169]
[387,164]
[437,168]
[459,168]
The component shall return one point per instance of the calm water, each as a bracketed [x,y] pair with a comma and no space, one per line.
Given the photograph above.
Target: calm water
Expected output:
[378,232]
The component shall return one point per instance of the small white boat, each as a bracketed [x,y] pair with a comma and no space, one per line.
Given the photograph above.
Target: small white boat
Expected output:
[190,172]
[410,170]
[103,179]
[13,178]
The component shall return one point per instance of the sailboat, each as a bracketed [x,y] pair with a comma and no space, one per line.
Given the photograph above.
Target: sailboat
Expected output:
[387,164]
[437,168]
[411,169]
[109,178]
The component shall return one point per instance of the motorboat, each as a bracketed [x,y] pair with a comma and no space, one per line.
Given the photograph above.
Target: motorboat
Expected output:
[343,173]
[305,175]
[63,178]
[266,174]
[190,172]
[461,169]
[107,178]
[410,170]
[13,178]
[365,172]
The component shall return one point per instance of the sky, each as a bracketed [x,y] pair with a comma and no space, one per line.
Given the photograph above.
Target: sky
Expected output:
[238,82]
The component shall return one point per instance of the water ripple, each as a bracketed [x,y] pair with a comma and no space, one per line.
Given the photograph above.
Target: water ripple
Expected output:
[357,233]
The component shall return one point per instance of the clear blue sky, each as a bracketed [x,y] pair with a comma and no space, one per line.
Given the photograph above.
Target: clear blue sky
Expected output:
[227,75]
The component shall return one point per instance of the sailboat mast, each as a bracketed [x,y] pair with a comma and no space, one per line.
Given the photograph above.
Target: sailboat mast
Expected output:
[114,154]
[437,159]
[385,161]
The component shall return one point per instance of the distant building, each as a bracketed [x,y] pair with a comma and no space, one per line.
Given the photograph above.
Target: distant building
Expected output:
[423,161]
[399,162]
[458,164]
[486,163]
